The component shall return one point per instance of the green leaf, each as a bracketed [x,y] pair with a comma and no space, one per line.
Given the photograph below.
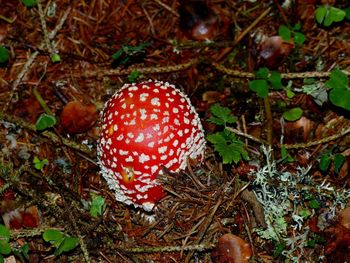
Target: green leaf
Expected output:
[55,58]
[45,121]
[290,94]
[311,243]
[216,121]
[39,164]
[260,86]
[97,205]
[228,146]
[127,52]
[134,75]
[337,14]
[325,161]
[225,153]
[4,55]
[340,98]
[297,26]
[216,138]
[25,250]
[299,38]
[320,14]
[314,204]
[68,244]
[262,73]
[327,20]
[293,114]
[52,235]
[347,12]
[275,80]
[285,155]
[222,115]
[4,234]
[29,3]
[279,248]
[5,248]
[305,213]
[1,259]
[337,80]
[338,162]
[117,54]
[285,33]
[326,15]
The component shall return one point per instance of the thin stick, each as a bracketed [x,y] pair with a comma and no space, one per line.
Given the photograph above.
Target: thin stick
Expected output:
[167,8]
[199,247]
[252,25]
[291,75]
[342,133]
[269,120]
[41,101]
[44,28]
[144,70]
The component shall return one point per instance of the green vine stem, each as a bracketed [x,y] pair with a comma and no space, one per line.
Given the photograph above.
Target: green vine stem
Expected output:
[41,101]
[269,120]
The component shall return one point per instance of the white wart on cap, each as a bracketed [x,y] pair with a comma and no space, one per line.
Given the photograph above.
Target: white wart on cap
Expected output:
[146,126]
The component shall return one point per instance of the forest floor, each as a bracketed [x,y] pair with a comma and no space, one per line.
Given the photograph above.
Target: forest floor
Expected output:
[280,67]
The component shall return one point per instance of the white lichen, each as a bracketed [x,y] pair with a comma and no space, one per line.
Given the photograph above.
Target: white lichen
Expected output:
[284,195]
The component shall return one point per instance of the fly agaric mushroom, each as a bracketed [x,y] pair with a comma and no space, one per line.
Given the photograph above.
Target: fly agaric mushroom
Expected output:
[145,127]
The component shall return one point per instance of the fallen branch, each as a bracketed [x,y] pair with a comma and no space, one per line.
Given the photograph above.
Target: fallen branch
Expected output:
[143,70]
[334,137]
[198,247]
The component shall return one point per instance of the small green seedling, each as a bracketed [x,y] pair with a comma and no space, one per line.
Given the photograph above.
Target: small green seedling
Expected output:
[327,15]
[265,80]
[225,142]
[221,115]
[286,33]
[293,114]
[316,89]
[305,213]
[327,158]
[134,75]
[55,58]
[62,242]
[5,247]
[45,121]
[312,201]
[286,157]
[340,92]
[22,252]
[347,13]
[4,55]
[39,164]
[29,3]
[98,205]
[126,53]
[279,248]
[314,240]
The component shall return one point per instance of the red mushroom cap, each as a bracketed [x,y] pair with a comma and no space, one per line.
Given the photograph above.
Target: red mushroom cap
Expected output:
[146,126]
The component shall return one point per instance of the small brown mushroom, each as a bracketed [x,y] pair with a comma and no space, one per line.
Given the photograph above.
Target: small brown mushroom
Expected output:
[345,217]
[77,117]
[231,249]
